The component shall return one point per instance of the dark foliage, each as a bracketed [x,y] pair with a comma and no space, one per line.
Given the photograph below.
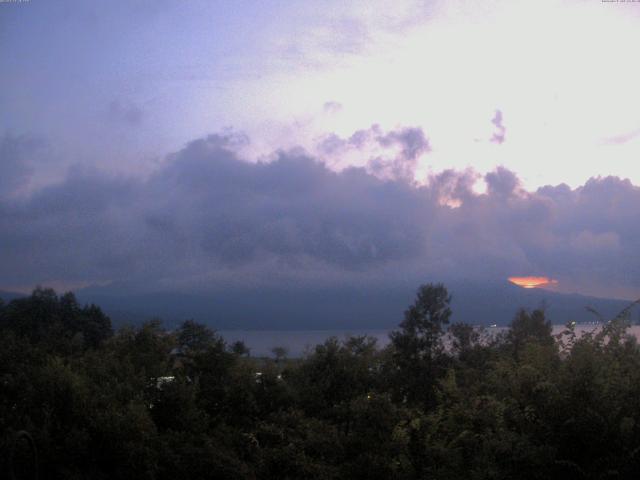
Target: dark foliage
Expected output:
[148,403]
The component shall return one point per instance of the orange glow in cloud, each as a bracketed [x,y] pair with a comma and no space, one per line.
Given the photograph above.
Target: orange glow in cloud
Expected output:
[532,282]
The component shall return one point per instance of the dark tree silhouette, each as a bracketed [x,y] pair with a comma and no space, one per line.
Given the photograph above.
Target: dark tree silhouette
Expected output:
[417,346]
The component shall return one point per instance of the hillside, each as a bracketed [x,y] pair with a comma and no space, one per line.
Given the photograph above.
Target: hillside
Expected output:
[279,309]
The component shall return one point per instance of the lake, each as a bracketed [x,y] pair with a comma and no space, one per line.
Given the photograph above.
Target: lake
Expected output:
[298,341]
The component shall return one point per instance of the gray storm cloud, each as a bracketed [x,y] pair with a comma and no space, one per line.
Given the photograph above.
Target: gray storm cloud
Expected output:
[17,162]
[207,217]
[400,149]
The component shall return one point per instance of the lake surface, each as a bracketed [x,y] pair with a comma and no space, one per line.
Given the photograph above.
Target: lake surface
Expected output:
[260,342]
[297,342]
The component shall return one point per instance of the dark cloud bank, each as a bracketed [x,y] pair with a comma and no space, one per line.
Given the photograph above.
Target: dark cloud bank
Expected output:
[207,223]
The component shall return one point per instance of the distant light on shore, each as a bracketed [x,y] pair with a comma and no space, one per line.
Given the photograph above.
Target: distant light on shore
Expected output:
[532,282]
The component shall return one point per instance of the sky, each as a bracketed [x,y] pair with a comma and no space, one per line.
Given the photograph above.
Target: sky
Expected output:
[192,145]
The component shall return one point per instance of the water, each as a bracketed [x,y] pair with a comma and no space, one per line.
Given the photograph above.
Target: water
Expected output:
[260,342]
[297,342]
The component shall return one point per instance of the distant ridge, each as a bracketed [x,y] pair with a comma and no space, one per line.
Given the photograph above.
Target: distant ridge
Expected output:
[340,308]
[8,296]
[501,301]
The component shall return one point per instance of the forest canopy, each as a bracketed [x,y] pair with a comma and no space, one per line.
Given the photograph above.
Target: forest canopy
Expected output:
[443,401]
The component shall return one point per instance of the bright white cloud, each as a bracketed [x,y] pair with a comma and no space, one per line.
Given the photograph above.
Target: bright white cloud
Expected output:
[560,72]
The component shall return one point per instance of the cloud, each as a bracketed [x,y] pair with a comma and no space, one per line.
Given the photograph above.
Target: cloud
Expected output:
[453,188]
[332,107]
[207,218]
[412,141]
[500,134]
[623,138]
[502,182]
[207,211]
[588,241]
[393,154]
[125,112]
[292,206]
[17,162]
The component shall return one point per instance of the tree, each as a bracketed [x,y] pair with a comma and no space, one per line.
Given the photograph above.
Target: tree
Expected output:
[417,346]
[195,337]
[333,375]
[280,353]
[240,348]
[94,325]
[529,328]
[464,337]
[58,322]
